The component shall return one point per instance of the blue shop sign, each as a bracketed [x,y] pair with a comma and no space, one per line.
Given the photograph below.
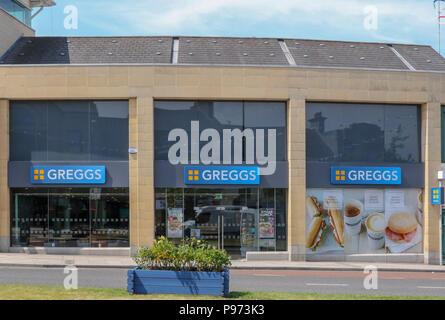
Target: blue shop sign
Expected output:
[67,174]
[436,195]
[221,175]
[366,175]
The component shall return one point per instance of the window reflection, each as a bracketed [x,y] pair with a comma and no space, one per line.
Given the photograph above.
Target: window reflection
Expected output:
[17,10]
[70,217]
[109,221]
[219,115]
[362,132]
[68,130]
[69,220]
[29,225]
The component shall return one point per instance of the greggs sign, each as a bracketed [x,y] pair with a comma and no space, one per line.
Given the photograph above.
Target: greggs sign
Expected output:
[221,175]
[366,175]
[67,174]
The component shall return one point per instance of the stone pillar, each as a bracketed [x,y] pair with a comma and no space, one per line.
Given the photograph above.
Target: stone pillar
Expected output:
[4,190]
[133,174]
[296,225]
[141,173]
[431,129]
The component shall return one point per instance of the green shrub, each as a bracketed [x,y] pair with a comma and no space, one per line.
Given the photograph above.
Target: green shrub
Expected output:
[191,255]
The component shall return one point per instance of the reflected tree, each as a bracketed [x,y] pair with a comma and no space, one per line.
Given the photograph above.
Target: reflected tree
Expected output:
[397,143]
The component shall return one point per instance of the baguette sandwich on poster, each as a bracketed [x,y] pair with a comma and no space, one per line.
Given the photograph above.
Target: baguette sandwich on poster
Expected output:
[402,227]
[316,233]
[336,220]
[313,208]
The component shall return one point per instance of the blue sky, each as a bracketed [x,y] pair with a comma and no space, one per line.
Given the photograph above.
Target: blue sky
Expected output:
[399,21]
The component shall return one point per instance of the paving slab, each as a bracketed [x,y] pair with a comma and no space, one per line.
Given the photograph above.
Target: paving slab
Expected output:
[88,261]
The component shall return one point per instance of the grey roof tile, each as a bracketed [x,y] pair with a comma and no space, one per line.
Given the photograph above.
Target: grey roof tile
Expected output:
[343,54]
[220,51]
[90,50]
[236,51]
[421,57]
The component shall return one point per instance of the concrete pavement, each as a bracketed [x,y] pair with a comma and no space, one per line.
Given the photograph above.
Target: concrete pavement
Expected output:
[89,261]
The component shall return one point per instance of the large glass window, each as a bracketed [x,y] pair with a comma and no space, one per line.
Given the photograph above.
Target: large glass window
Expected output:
[70,217]
[219,115]
[17,10]
[68,130]
[362,132]
[270,115]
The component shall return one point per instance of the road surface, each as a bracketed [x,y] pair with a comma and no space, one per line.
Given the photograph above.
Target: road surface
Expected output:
[309,281]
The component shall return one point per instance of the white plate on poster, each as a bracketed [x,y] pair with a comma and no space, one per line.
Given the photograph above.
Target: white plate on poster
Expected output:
[397,247]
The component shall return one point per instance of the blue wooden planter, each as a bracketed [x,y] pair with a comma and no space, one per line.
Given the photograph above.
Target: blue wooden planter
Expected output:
[179,282]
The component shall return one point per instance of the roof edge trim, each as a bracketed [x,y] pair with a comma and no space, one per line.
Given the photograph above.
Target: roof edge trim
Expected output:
[287,54]
[405,62]
[213,65]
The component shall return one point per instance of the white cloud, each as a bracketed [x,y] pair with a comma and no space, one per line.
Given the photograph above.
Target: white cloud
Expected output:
[399,20]
[192,13]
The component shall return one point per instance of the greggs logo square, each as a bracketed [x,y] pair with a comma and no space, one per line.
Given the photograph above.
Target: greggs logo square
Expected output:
[221,175]
[340,175]
[193,175]
[67,174]
[38,174]
[366,175]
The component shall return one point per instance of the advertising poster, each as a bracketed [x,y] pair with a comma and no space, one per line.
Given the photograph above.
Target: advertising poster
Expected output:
[324,222]
[374,200]
[403,222]
[375,221]
[248,231]
[394,199]
[195,233]
[332,199]
[174,223]
[160,204]
[267,223]
[364,211]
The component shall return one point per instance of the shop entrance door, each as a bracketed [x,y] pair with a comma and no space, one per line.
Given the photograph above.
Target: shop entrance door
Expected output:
[225,221]
[230,228]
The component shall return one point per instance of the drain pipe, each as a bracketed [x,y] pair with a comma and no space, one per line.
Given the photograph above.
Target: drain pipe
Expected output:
[441,226]
[440,176]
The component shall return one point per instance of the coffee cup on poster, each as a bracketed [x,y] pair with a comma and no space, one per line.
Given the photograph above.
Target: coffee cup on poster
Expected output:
[375,226]
[353,216]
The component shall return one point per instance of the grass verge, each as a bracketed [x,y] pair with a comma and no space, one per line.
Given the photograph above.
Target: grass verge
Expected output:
[31,292]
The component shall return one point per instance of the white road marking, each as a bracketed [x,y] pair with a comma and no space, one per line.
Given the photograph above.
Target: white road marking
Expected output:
[328,284]
[420,287]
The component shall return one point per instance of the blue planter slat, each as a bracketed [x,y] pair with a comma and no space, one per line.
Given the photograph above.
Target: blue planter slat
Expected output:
[177,290]
[130,281]
[179,282]
[226,276]
[178,274]
[176,282]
